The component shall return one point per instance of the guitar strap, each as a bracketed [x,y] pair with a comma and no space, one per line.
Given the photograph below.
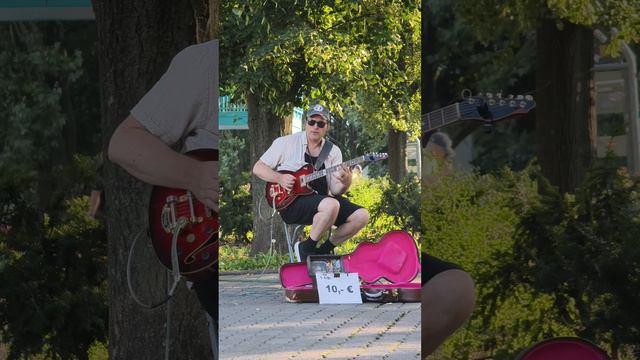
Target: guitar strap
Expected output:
[324,153]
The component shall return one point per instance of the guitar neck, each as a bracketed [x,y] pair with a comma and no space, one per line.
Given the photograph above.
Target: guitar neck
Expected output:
[324,172]
[440,117]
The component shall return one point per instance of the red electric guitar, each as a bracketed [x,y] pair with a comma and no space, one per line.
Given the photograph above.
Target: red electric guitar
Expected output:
[281,198]
[177,210]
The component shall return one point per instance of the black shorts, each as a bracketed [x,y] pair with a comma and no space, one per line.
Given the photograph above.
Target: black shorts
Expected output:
[304,208]
[432,266]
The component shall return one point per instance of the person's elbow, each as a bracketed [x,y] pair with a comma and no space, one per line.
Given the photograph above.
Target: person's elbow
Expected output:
[257,167]
[113,151]
[123,137]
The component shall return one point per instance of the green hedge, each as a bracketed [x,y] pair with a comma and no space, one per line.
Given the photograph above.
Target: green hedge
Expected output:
[545,264]
[467,218]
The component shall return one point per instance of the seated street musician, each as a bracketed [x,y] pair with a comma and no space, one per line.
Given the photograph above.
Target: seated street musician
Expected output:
[326,206]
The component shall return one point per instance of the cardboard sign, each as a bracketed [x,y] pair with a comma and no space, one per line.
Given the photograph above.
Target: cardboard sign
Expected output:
[340,288]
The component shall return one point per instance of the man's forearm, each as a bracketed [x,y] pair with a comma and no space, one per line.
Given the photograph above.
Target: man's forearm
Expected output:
[149,159]
[264,172]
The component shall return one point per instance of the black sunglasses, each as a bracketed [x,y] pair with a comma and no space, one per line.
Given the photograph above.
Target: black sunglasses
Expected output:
[320,124]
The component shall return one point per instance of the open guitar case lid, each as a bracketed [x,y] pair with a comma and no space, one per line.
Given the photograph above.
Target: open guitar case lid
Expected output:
[386,270]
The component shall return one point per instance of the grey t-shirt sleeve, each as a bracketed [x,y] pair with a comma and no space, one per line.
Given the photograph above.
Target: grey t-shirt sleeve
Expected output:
[274,155]
[182,107]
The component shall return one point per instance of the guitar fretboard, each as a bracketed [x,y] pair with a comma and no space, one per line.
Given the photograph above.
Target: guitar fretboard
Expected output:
[440,117]
[324,172]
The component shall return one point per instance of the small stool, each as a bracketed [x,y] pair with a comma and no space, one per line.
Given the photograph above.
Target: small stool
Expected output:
[291,237]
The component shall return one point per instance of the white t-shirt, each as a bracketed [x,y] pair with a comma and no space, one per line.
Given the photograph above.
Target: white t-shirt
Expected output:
[287,153]
[182,107]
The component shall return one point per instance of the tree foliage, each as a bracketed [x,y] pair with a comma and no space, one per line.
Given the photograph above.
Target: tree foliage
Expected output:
[342,53]
[52,254]
[235,200]
[519,16]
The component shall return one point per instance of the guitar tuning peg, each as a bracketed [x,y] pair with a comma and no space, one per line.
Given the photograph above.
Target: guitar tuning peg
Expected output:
[528,97]
[510,96]
[519,97]
[499,95]
[489,96]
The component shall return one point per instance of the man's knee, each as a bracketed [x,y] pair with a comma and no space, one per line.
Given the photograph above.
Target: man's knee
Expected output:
[454,288]
[329,206]
[360,218]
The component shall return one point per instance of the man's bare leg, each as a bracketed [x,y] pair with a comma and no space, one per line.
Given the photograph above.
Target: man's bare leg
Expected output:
[355,222]
[447,302]
[324,218]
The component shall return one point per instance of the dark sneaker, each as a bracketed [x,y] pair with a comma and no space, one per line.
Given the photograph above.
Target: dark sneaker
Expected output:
[301,254]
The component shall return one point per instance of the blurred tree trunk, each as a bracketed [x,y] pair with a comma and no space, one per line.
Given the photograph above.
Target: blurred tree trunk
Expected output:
[397,155]
[264,127]
[136,42]
[565,113]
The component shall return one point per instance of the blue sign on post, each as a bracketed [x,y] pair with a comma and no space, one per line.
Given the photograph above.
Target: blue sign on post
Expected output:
[232,116]
[42,10]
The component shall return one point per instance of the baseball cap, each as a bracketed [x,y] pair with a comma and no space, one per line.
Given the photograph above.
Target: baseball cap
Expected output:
[318,109]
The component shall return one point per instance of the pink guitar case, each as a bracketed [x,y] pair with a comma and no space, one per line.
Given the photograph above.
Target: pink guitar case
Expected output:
[563,348]
[386,271]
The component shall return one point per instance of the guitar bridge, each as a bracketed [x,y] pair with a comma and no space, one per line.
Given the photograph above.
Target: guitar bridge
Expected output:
[171,213]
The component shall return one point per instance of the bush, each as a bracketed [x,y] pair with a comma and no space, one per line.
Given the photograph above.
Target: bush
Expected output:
[236,258]
[235,199]
[544,264]
[391,207]
[53,278]
[467,218]
[583,251]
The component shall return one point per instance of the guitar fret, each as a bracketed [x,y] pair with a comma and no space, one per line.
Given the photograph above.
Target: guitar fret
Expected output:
[441,117]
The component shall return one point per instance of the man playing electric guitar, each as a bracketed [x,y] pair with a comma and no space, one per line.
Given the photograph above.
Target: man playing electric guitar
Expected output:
[180,111]
[324,208]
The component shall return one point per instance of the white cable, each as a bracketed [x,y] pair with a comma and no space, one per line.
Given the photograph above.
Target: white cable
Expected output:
[175,271]
[167,325]
[130,285]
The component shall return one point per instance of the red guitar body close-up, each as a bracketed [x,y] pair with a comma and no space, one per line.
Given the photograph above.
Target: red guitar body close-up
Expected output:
[197,241]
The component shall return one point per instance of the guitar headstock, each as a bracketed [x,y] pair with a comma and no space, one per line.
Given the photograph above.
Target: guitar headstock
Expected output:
[494,107]
[375,156]
[487,108]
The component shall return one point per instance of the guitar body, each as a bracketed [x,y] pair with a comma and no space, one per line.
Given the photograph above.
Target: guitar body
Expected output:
[394,258]
[280,197]
[197,240]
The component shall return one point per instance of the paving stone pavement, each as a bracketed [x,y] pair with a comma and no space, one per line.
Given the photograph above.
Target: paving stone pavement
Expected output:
[256,322]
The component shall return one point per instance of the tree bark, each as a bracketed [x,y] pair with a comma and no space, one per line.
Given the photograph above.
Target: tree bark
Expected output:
[397,155]
[264,127]
[136,42]
[566,117]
